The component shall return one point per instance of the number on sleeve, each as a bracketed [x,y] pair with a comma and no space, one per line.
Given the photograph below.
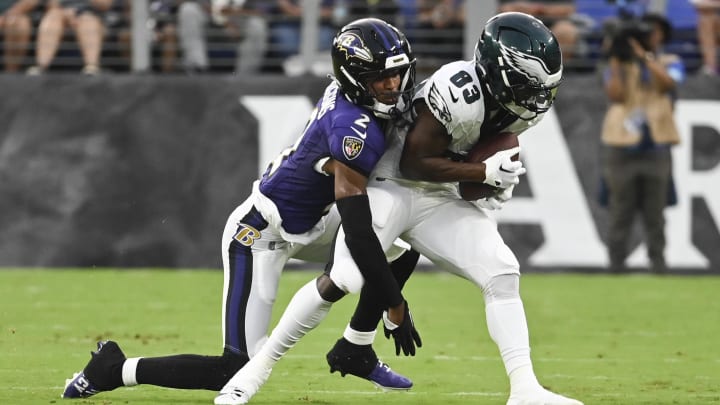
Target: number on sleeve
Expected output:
[362,121]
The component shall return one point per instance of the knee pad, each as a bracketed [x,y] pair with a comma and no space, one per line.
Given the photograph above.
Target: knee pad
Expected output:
[346,276]
[328,290]
[502,287]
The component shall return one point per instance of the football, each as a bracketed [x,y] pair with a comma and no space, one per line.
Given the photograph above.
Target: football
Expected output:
[470,190]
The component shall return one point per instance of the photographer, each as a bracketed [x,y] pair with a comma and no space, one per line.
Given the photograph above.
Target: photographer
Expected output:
[638,131]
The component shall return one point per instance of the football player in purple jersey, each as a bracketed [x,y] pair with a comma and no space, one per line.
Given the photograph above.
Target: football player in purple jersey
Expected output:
[508,87]
[294,211]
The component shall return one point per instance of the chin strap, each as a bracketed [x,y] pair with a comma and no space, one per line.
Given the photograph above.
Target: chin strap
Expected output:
[391,111]
[384,111]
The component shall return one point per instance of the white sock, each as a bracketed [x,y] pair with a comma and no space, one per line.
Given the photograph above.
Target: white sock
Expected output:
[359,338]
[523,380]
[129,369]
[304,312]
[508,328]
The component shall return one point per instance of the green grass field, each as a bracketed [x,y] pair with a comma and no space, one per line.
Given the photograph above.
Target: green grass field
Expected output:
[601,339]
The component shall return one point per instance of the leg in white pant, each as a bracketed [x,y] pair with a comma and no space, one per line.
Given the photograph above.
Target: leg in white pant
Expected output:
[507,326]
[251,50]
[481,256]
[191,31]
[304,312]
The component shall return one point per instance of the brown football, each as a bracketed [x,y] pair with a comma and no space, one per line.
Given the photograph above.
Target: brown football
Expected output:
[486,147]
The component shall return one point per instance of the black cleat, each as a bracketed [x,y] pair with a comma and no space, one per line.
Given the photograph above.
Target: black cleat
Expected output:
[361,361]
[102,373]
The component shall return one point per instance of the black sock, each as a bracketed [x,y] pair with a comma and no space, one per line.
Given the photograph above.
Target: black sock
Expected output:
[190,371]
[404,266]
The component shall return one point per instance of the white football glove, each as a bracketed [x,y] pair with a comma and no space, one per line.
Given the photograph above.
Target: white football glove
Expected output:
[501,171]
[497,201]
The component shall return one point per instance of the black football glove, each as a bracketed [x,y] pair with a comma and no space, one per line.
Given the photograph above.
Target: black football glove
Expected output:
[405,335]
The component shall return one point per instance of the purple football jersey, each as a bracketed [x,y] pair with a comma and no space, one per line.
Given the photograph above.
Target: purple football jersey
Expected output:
[337,129]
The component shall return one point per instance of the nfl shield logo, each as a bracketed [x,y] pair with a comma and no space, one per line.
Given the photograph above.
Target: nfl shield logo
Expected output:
[352,147]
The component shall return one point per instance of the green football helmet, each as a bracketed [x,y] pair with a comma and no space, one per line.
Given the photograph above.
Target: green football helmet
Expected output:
[520,63]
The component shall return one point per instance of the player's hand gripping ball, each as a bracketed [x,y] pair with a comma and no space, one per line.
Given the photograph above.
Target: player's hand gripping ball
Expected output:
[485,148]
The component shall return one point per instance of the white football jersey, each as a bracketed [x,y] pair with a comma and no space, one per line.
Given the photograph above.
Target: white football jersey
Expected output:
[454,97]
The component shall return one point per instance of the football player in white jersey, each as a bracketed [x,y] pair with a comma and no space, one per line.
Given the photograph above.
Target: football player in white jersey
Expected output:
[509,85]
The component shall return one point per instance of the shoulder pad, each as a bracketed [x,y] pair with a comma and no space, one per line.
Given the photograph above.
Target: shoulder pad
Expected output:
[453,95]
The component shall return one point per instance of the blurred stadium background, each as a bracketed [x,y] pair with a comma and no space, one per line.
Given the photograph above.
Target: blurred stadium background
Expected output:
[136,21]
[138,167]
[135,170]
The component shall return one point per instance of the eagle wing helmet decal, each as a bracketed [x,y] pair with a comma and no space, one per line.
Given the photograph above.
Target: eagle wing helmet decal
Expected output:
[353,46]
[529,66]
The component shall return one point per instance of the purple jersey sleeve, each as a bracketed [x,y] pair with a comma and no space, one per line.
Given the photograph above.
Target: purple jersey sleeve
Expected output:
[356,138]
[339,130]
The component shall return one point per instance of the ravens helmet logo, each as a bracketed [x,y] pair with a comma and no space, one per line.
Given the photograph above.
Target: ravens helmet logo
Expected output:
[353,46]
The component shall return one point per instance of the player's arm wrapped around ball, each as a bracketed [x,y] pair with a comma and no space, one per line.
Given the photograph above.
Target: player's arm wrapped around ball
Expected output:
[499,156]
[501,171]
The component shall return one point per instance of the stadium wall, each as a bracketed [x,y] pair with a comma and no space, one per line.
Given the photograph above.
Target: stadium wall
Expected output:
[142,171]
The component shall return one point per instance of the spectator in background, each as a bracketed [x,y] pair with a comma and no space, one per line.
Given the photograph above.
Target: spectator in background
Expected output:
[406,16]
[16,27]
[85,18]
[162,24]
[192,20]
[638,131]
[242,21]
[163,21]
[440,23]
[285,32]
[708,31]
[245,21]
[384,10]
[559,16]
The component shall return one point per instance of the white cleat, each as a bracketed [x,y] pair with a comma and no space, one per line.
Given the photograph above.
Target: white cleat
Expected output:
[243,385]
[541,397]
[233,396]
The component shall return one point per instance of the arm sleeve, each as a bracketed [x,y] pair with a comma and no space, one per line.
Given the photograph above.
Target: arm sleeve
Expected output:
[365,248]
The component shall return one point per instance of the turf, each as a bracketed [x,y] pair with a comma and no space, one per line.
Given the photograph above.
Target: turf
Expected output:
[601,339]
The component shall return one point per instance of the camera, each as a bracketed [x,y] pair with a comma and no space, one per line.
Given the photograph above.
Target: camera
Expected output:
[618,31]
